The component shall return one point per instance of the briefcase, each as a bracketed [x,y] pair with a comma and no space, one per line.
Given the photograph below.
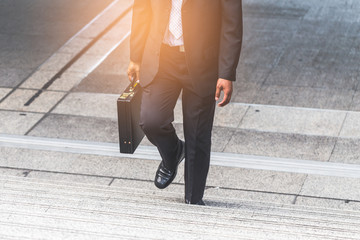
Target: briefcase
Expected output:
[128,107]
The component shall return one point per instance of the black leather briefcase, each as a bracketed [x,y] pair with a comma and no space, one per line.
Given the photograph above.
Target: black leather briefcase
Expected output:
[128,106]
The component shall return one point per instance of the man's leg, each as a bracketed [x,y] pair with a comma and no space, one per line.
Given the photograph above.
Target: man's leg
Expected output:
[157,115]
[198,121]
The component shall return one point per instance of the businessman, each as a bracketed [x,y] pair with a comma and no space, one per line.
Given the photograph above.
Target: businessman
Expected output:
[191,46]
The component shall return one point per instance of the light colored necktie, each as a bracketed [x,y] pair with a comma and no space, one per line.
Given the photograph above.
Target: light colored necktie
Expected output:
[175,25]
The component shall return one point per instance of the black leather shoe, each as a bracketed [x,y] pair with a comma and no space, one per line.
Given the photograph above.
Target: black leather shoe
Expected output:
[164,176]
[201,202]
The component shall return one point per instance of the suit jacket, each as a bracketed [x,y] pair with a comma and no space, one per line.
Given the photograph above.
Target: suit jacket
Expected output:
[212,31]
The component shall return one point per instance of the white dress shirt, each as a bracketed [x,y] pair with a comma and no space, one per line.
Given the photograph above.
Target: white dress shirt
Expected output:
[174,34]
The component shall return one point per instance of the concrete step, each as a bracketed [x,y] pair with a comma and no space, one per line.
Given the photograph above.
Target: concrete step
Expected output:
[33,186]
[234,181]
[61,206]
[151,153]
[146,212]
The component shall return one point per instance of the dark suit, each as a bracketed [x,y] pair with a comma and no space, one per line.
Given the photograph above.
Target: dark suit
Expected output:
[212,32]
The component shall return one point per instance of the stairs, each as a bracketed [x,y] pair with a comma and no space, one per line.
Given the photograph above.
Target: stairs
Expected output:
[38,208]
[290,135]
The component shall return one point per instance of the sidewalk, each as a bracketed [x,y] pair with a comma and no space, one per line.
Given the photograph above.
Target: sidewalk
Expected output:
[289,139]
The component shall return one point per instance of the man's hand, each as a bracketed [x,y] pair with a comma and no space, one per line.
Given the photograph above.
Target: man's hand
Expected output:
[133,71]
[227,87]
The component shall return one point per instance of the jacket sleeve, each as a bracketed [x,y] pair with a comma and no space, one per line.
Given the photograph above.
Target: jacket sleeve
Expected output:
[141,20]
[230,39]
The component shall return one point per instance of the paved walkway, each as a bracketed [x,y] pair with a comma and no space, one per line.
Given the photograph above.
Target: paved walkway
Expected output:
[31,31]
[290,136]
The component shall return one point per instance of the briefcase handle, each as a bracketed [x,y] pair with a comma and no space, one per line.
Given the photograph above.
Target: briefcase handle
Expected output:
[133,83]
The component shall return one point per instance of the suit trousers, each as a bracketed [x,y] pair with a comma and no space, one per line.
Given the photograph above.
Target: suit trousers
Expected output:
[157,114]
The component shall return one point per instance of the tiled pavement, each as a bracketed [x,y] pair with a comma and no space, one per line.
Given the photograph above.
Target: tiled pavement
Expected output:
[296,96]
[31,31]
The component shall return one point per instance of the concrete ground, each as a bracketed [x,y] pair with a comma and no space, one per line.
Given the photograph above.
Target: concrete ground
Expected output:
[292,130]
